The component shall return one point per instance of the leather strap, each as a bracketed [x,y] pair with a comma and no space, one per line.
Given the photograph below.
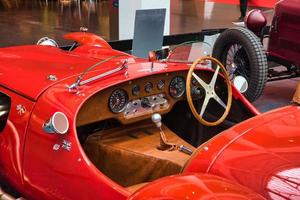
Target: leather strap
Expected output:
[164,144]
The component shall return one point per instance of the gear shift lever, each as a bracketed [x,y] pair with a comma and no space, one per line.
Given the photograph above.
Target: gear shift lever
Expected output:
[164,144]
[156,119]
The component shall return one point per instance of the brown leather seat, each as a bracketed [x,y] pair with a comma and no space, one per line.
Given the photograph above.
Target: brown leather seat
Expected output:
[296,97]
[134,188]
[128,155]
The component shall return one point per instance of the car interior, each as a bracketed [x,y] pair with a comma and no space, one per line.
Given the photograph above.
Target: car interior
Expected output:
[143,129]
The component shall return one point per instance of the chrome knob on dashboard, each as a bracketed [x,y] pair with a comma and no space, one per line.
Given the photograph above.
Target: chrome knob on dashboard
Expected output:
[156,119]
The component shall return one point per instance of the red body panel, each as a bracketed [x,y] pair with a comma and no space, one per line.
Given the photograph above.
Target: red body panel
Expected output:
[261,153]
[87,39]
[285,30]
[38,170]
[12,139]
[195,187]
[33,64]
[61,174]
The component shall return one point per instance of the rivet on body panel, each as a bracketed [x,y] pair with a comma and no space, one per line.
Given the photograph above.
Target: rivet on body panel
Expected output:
[126,74]
[52,77]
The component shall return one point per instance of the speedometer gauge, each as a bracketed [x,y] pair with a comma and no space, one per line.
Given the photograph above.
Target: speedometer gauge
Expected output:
[177,87]
[118,100]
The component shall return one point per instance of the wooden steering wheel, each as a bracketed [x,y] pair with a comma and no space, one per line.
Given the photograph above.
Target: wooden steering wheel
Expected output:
[209,91]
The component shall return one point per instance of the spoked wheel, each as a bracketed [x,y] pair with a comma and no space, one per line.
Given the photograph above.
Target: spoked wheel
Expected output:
[210,93]
[237,62]
[242,53]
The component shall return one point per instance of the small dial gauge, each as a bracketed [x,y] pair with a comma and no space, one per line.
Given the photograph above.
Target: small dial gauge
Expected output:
[194,81]
[136,90]
[161,84]
[177,87]
[118,100]
[148,87]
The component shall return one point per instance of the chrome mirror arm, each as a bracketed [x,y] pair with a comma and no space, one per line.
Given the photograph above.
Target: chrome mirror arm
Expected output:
[74,86]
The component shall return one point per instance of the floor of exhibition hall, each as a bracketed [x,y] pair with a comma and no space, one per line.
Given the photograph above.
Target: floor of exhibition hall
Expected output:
[25,22]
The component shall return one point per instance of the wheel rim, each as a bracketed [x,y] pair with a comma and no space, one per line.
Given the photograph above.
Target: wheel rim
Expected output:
[237,62]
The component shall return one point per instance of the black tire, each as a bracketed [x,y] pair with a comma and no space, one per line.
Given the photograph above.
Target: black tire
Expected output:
[249,59]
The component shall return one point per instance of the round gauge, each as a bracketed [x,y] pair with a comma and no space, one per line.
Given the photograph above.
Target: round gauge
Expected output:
[177,87]
[148,87]
[194,81]
[136,90]
[118,100]
[161,84]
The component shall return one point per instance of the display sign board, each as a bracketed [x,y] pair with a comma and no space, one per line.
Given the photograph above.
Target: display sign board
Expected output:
[148,31]
[127,9]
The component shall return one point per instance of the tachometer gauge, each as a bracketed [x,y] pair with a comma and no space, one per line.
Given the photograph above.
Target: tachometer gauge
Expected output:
[177,87]
[148,87]
[118,100]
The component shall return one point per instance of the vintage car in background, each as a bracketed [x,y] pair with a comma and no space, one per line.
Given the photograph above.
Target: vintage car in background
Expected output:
[91,122]
[241,49]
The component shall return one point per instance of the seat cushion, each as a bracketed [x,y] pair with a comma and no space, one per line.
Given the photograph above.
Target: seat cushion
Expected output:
[134,188]
[129,155]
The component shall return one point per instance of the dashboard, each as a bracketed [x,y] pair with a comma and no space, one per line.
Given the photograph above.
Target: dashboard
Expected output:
[136,99]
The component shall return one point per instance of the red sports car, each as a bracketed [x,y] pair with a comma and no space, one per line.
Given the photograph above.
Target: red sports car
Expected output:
[91,122]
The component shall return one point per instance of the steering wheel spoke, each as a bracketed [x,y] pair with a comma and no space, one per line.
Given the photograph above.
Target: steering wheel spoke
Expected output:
[200,81]
[214,78]
[204,105]
[219,100]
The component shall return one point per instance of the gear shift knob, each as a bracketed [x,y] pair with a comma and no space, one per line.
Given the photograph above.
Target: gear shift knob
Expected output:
[156,119]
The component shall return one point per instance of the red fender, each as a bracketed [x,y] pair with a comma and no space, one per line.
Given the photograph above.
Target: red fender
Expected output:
[194,187]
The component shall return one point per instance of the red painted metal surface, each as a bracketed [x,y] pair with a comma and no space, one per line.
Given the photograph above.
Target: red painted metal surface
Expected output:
[261,153]
[256,21]
[284,36]
[195,187]
[31,65]
[30,161]
[90,39]
[12,139]
[62,174]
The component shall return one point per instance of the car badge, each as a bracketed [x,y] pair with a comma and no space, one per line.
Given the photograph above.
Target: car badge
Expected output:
[56,147]
[66,145]
[62,144]
[21,109]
